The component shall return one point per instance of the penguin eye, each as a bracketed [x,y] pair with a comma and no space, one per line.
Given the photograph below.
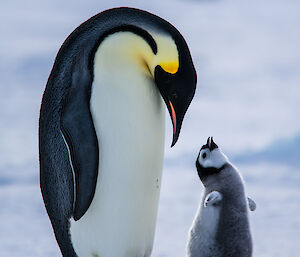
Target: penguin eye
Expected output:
[204,155]
[174,95]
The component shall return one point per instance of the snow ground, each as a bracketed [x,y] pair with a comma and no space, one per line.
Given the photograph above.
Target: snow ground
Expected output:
[247,58]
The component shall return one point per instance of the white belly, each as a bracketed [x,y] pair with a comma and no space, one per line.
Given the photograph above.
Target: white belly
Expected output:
[203,231]
[130,123]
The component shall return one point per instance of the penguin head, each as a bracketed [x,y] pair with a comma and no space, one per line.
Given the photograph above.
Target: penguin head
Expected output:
[211,160]
[160,52]
[170,65]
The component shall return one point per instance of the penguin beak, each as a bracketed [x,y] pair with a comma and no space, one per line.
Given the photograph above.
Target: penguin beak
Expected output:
[211,144]
[177,90]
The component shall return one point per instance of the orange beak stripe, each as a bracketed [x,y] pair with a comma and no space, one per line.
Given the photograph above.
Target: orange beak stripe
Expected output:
[173,116]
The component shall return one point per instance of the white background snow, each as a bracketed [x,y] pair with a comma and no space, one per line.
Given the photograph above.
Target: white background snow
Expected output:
[248,62]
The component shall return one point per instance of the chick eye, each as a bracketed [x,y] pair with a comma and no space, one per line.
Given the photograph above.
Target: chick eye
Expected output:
[204,155]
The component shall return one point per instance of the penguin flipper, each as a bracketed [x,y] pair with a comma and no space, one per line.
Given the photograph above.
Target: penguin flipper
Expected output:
[80,136]
[213,198]
[252,204]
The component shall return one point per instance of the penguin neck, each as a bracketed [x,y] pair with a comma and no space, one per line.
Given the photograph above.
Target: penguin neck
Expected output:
[129,118]
[127,108]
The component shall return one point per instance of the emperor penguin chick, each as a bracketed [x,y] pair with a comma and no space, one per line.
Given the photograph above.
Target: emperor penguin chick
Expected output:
[221,225]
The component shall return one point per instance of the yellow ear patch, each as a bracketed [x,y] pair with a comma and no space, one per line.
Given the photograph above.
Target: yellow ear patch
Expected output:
[170,67]
[167,55]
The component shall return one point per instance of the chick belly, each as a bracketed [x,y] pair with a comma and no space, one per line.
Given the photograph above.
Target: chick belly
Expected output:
[202,238]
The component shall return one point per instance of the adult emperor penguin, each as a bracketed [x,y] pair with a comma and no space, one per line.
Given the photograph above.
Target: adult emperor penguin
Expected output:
[101,130]
[221,226]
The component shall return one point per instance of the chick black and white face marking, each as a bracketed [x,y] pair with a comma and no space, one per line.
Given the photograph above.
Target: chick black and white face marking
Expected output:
[211,160]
